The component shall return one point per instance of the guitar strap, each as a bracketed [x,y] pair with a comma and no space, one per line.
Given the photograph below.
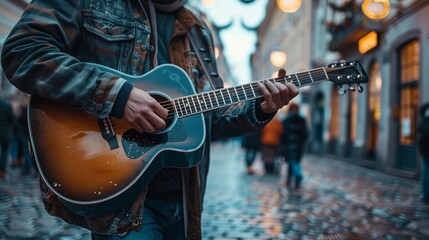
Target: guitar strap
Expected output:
[203,49]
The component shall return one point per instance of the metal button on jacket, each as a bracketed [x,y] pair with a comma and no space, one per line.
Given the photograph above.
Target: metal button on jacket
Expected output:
[99,107]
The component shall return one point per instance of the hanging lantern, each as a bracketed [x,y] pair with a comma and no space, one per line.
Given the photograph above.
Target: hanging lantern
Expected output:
[289,6]
[376,9]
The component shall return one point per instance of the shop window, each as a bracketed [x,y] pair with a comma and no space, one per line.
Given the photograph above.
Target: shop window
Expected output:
[408,91]
[374,109]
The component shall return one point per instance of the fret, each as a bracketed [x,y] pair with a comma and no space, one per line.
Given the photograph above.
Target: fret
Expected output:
[223,99]
[253,91]
[297,78]
[208,94]
[212,100]
[184,106]
[188,105]
[195,100]
[310,76]
[215,97]
[199,102]
[204,100]
[229,94]
[326,74]
[244,91]
[176,103]
[236,93]
[193,103]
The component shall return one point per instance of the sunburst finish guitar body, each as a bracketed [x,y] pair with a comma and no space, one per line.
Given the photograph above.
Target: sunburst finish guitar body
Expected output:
[89,162]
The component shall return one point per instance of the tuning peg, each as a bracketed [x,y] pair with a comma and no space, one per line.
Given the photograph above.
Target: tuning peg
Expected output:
[359,88]
[342,90]
[351,88]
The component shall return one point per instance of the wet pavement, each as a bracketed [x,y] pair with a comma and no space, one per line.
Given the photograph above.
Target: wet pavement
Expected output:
[337,200]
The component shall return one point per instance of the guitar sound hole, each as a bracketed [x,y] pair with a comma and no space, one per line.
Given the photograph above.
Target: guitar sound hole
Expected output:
[135,144]
[166,103]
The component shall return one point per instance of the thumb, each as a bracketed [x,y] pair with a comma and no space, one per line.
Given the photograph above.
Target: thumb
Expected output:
[281,72]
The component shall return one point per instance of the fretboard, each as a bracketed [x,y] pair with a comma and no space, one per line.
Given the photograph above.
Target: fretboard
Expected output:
[211,100]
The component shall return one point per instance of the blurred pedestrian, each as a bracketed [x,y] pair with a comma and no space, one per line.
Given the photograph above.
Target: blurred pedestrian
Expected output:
[22,136]
[6,134]
[423,143]
[270,139]
[251,144]
[292,143]
[17,148]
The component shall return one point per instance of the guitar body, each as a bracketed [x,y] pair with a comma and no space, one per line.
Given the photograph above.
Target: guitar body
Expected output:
[80,166]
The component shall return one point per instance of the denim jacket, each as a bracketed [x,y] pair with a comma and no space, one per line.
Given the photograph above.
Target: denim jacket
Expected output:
[47,55]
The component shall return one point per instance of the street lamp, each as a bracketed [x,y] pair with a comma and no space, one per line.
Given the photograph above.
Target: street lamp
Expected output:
[289,6]
[376,9]
[278,57]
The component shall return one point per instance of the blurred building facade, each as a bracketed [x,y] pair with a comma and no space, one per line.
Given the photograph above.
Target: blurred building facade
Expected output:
[376,128]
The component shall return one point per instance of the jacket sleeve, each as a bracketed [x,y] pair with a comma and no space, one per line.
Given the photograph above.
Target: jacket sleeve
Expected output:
[38,58]
[239,119]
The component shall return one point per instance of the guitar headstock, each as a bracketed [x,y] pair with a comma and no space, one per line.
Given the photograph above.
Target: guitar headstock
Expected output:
[348,73]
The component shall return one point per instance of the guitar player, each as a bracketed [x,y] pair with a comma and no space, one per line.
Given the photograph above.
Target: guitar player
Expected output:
[48,55]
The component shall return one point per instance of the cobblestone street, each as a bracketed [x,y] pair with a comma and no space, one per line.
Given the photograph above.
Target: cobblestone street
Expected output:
[337,201]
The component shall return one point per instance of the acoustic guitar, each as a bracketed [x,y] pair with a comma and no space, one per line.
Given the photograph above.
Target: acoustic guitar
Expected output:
[85,160]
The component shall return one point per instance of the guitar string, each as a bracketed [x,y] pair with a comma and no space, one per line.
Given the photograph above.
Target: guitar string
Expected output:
[247,87]
[241,92]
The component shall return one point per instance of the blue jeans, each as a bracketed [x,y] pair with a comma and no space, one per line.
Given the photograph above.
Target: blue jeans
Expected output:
[425,179]
[162,220]
[294,170]
[250,156]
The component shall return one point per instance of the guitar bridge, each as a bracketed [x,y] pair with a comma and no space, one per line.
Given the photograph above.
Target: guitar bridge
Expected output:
[108,133]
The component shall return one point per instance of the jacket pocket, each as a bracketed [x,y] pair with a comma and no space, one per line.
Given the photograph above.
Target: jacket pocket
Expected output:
[111,41]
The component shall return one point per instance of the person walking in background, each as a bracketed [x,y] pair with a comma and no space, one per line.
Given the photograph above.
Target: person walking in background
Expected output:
[292,143]
[6,134]
[423,143]
[270,139]
[251,144]
[17,149]
[22,137]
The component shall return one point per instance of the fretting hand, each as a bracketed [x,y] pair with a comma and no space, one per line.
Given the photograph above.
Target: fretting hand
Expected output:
[276,95]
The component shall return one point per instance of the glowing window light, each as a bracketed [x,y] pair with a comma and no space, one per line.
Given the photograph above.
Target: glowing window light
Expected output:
[368,42]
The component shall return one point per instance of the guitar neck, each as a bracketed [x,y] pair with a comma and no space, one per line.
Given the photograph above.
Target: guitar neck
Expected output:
[211,100]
